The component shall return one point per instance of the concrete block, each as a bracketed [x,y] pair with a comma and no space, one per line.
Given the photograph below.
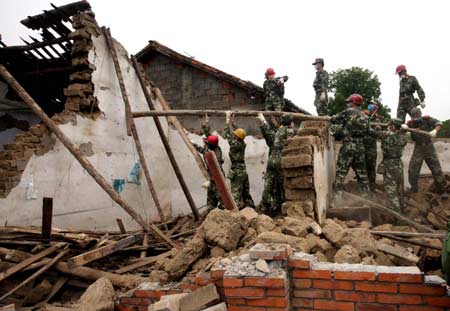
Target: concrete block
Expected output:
[201,298]
[269,251]
[296,161]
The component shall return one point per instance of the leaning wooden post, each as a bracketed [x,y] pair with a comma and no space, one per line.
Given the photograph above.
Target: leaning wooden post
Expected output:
[219,179]
[132,125]
[101,181]
[47,214]
[165,142]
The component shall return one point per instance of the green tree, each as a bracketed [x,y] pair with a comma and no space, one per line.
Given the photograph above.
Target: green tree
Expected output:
[345,82]
[445,131]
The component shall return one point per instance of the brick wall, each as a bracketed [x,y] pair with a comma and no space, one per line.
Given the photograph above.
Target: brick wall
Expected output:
[185,87]
[305,284]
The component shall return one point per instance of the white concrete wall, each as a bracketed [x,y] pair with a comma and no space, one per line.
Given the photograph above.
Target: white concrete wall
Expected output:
[78,201]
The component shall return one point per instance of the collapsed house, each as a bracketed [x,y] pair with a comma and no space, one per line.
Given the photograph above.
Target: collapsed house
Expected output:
[92,90]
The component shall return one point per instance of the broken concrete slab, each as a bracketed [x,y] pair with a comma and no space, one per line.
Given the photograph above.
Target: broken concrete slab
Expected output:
[169,302]
[270,251]
[262,266]
[332,231]
[298,244]
[199,299]
[97,297]
[218,307]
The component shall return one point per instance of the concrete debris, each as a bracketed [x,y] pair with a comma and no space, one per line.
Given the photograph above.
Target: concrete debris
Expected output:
[296,227]
[217,251]
[168,303]
[269,251]
[262,266]
[264,223]
[347,254]
[299,244]
[361,239]
[293,209]
[98,297]
[159,276]
[249,213]
[203,297]
[218,307]
[332,231]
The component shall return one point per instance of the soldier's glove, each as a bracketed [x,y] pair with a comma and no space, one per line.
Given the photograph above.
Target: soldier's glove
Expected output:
[261,118]
[205,185]
[227,116]
[404,126]
[422,104]
[433,133]
[323,97]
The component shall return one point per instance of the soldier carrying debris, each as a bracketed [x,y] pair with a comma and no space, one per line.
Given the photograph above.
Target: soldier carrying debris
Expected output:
[273,195]
[391,167]
[240,186]
[213,199]
[424,151]
[408,86]
[320,86]
[351,126]
[274,91]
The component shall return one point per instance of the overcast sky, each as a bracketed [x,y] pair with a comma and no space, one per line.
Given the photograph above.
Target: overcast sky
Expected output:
[243,38]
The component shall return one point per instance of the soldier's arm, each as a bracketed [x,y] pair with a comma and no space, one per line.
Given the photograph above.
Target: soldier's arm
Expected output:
[323,81]
[420,91]
[268,133]
[206,129]
[436,124]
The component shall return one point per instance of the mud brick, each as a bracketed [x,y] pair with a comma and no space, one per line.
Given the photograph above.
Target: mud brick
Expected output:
[298,171]
[299,195]
[297,150]
[270,251]
[298,141]
[305,182]
[296,161]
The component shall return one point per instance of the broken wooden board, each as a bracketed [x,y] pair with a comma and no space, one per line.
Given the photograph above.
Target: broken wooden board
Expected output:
[398,252]
[142,262]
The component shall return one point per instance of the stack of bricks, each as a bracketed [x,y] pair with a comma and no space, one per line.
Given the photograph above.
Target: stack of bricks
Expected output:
[38,140]
[298,166]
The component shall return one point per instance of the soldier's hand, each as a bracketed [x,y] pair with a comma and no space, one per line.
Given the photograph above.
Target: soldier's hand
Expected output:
[323,97]
[227,116]
[422,104]
[261,118]
[433,133]
[404,126]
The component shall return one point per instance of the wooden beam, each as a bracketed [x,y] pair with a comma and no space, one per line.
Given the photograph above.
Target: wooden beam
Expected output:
[121,226]
[219,179]
[165,142]
[25,263]
[144,244]
[47,214]
[437,235]
[412,242]
[103,251]
[398,252]
[350,213]
[142,262]
[101,181]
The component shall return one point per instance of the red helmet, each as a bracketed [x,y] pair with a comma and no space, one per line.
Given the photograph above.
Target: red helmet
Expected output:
[270,72]
[355,99]
[400,68]
[212,140]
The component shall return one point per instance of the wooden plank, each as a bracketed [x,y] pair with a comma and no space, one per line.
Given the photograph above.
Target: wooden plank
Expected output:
[36,274]
[437,235]
[179,224]
[350,213]
[142,262]
[144,244]
[412,242]
[398,252]
[25,263]
[121,226]
[103,251]
[101,181]
[47,214]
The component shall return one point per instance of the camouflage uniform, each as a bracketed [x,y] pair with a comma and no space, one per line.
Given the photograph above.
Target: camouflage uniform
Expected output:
[392,144]
[240,187]
[273,194]
[320,85]
[352,125]
[424,150]
[406,101]
[212,197]
[274,93]
[370,147]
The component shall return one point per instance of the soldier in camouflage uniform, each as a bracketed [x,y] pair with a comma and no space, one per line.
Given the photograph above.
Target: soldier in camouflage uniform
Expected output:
[273,194]
[351,125]
[240,186]
[213,198]
[370,144]
[424,151]
[274,91]
[320,86]
[393,141]
[408,86]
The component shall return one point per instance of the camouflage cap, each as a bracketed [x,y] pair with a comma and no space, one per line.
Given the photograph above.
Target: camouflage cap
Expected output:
[285,119]
[416,113]
[318,61]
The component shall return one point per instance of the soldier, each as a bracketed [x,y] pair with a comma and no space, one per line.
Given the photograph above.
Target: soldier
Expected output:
[320,86]
[424,150]
[213,199]
[370,144]
[274,91]
[391,167]
[273,195]
[351,125]
[408,86]
[240,187]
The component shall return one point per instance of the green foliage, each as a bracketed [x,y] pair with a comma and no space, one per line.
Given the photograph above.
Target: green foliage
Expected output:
[445,131]
[345,82]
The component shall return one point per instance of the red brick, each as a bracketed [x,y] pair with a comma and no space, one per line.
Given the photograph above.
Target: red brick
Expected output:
[245,308]
[422,289]
[148,293]
[136,301]
[142,308]
[400,299]
[275,309]
[217,274]
[354,296]
[333,305]
[301,302]
[375,307]
[438,301]
[189,287]
[313,293]
[299,283]
[302,309]
[265,282]
[172,291]
[203,279]
[232,282]
[420,308]
[235,301]
[400,277]
[331,284]
[312,274]
[244,292]
[218,283]
[268,302]
[357,276]
[277,292]
[376,287]
[299,263]
[120,307]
